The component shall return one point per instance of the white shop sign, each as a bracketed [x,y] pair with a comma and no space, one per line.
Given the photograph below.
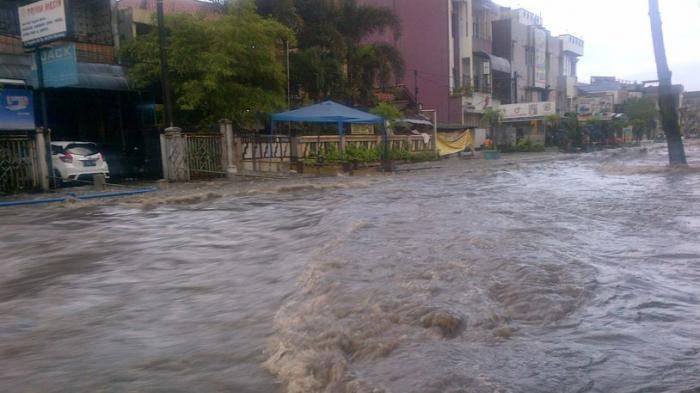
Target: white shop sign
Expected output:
[42,21]
[528,110]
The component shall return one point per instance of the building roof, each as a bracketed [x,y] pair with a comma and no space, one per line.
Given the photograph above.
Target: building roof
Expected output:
[600,86]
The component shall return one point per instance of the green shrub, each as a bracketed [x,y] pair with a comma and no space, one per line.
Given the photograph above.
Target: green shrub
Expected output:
[523,146]
[357,153]
[422,156]
[362,154]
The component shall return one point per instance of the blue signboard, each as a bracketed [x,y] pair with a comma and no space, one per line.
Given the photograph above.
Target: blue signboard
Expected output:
[16,110]
[60,67]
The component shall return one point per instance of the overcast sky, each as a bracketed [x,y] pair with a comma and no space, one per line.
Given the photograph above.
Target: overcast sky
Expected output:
[617,36]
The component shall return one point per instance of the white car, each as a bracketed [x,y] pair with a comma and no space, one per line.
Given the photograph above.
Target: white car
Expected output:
[77,161]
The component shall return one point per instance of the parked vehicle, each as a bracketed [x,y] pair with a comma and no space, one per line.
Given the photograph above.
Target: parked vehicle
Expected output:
[73,161]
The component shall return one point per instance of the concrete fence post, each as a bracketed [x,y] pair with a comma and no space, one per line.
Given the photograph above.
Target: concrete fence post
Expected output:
[164,156]
[293,149]
[231,164]
[225,154]
[238,152]
[42,135]
[176,155]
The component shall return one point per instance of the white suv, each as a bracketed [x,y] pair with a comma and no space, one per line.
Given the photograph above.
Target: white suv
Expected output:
[76,160]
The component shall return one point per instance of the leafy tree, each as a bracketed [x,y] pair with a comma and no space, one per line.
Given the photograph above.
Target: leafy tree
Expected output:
[552,121]
[572,127]
[376,62]
[333,31]
[222,67]
[642,114]
[388,111]
[491,118]
[282,10]
[357,22]
[318,74]
[555,135]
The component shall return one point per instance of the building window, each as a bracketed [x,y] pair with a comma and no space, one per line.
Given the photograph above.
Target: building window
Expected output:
[9,21]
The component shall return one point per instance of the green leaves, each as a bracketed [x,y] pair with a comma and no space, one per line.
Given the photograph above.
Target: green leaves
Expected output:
[642,114]
[224,66]
[492,117]
[332,61]
[388,111]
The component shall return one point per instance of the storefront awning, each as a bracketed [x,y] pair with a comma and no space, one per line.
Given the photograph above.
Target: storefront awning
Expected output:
[101,77]
[90,75]
[499,64]
[17,67]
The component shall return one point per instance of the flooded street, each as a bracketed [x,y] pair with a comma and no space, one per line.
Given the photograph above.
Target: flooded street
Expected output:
[571,275]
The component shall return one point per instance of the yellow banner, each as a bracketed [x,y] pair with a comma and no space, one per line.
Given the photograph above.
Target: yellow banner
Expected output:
[454,143]
[361,129]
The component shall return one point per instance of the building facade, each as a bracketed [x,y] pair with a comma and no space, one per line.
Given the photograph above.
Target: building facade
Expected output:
[604,96]
[88,97]
[464,56]
[86,92]
[690,113]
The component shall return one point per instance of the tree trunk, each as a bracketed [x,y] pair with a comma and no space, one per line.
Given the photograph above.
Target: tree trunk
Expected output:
[668,101]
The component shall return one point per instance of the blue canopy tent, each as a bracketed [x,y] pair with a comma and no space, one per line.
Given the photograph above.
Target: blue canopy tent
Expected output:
[331,112]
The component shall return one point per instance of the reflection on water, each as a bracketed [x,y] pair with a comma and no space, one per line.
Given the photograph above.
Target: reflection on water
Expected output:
[579,275]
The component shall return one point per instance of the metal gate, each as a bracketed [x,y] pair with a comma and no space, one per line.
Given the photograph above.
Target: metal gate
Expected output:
[18,165]
[205,157]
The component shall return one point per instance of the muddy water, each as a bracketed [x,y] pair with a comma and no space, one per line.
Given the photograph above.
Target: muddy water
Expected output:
[575,275]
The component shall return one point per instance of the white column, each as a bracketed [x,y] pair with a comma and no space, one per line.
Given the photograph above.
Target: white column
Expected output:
[42,136]
[226,128]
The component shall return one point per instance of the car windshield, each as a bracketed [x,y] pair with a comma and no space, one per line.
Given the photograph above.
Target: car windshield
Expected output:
[82,149]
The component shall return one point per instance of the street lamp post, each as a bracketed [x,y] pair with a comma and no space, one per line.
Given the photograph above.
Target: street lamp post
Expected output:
[167,101]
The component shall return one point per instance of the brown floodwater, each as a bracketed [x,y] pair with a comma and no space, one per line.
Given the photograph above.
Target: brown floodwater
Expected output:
[579,274]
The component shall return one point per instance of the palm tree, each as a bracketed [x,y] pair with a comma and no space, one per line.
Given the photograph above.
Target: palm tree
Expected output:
[355,23]
[336,29]
[377,62]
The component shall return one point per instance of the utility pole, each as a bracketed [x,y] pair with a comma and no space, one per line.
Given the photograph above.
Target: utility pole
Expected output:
[415,87]
[289,81]
[167,101]
[44,134]
[40,86]
[668,101]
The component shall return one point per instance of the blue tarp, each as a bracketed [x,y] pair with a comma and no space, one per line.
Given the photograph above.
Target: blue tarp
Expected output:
[332,112]
[328,112]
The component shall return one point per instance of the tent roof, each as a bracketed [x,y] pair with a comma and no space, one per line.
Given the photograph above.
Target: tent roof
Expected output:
[327,112]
